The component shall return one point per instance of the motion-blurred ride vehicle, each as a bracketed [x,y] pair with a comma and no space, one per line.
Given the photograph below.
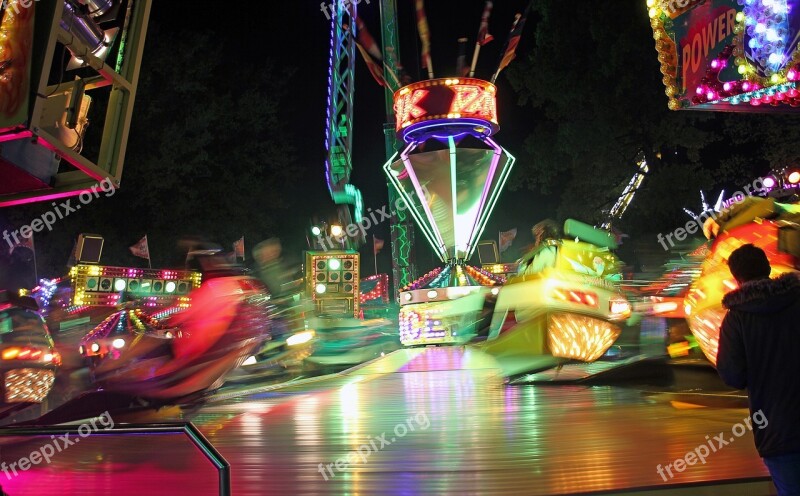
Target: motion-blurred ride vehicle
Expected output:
[447,306]
[90,295]
[565,303]
[28,358]
[291,342]
[774,227]
[160,335]
[346,342]
[173,357]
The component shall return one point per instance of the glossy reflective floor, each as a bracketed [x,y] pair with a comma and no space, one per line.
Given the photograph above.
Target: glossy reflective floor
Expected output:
[434,421]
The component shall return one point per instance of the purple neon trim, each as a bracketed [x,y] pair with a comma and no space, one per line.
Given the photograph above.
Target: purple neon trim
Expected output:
[420,127]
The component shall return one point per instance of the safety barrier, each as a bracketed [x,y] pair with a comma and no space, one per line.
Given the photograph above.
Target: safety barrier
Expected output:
[188,428]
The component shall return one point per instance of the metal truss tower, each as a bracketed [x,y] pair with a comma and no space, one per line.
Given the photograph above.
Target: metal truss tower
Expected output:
[339,129]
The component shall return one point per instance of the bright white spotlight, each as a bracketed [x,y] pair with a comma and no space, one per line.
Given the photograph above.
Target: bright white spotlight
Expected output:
[118,343]
[335,264]
[321,288]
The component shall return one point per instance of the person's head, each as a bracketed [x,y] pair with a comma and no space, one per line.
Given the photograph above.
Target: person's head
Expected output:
[267,251]
[749,263]
[546,229]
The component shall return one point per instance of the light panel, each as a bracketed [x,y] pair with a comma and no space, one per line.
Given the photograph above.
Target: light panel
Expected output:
[97,285]
[332,281]
[579,337]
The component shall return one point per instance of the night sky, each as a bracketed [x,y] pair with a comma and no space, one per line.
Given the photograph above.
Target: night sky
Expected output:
[297,36]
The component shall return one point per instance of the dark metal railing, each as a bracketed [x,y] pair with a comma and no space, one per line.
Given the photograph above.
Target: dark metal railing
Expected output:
[187,428]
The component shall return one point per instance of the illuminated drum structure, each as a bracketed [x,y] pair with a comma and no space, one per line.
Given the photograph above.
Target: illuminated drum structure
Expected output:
[449,175]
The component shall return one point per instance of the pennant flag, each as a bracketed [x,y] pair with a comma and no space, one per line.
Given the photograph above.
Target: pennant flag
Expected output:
[377,245]
[483,33]
[424,36]
[506,238]
[141,249]
[483,36]
[367,41]
[369,48]
[701,251]
[374,68]
[510,52]
[238,248]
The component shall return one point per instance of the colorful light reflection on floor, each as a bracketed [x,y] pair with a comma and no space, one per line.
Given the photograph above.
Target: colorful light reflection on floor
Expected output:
[481,437]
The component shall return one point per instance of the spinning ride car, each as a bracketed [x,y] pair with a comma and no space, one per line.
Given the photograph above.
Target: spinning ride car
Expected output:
[290,343]
[90,294]
[29,359]
[445,306]
[170,356]
[566,302]
[763,222]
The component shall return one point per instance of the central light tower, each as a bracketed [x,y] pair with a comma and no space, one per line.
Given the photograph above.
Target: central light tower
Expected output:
[451,171]
[449,174]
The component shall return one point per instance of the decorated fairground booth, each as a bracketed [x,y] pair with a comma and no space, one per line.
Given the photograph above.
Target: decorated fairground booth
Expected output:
[728,55]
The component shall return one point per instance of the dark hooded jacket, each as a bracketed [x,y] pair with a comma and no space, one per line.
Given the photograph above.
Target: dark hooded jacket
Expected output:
[759,350]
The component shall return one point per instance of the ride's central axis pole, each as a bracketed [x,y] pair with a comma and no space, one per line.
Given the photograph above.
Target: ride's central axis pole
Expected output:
[403,268]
